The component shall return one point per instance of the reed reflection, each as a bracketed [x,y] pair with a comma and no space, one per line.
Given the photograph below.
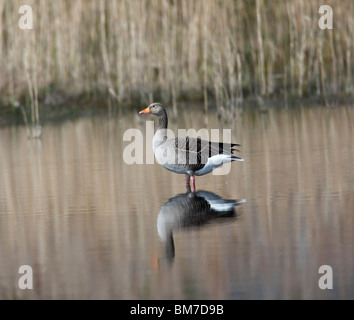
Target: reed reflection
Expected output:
[190,210]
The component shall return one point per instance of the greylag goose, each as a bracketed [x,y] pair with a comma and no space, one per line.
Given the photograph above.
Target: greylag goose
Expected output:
[192,209]
[187,155]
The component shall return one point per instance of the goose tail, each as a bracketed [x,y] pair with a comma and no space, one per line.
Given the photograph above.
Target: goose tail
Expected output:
[234,158]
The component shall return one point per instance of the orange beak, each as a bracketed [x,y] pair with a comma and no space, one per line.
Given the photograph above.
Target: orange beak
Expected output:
[147,110]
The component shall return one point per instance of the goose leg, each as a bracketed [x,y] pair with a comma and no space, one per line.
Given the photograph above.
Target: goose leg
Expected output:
[192,182]
[188,186]
[187,179]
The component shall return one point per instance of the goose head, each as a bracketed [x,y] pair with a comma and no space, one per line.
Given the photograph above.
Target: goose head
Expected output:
[155,108]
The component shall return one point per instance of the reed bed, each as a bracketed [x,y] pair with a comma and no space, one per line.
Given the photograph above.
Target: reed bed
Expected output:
[133,50]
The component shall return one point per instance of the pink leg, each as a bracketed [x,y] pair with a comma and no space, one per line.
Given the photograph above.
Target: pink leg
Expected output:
[192,182]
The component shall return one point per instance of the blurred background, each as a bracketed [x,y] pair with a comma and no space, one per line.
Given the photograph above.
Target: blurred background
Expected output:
[88,223]
[216,52]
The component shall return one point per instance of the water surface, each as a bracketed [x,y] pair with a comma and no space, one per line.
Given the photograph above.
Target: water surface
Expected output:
[87,223]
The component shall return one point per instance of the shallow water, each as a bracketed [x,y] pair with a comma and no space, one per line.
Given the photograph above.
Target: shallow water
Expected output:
[93,227]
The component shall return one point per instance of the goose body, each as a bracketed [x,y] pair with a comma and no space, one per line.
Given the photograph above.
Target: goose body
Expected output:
[187,155]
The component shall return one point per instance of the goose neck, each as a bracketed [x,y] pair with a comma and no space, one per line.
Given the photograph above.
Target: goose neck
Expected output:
[163,121]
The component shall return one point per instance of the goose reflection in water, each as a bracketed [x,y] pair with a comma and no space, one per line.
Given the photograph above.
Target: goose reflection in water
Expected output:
[191,209]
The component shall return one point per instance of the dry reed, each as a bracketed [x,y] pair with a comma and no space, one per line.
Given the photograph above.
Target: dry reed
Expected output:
[173,50]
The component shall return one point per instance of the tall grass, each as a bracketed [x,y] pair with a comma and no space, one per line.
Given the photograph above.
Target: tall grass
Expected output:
[170,50]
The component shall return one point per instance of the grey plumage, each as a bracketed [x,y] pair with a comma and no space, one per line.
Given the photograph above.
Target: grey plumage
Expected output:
[192,210]
[187,155]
